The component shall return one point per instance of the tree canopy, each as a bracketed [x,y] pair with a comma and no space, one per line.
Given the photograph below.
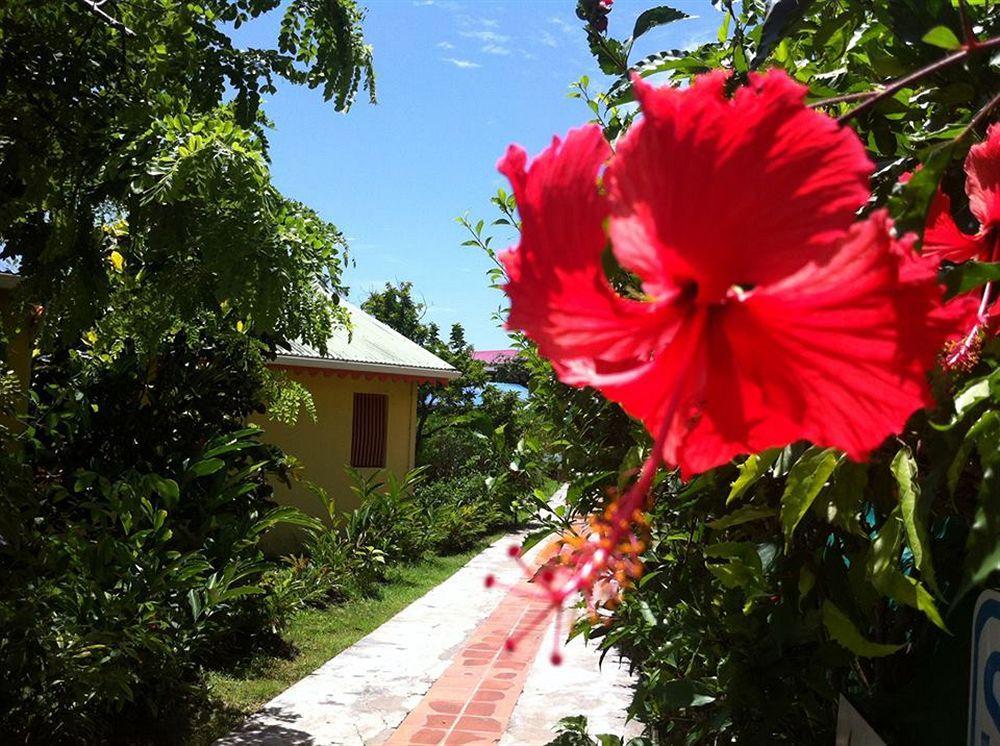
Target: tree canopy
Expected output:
[134,163]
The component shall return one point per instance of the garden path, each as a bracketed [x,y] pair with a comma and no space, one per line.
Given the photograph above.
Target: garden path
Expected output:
[437,673]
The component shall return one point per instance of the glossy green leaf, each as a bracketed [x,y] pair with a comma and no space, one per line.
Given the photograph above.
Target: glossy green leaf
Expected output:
[886,575]
[982,550]
[910,202]
[206,466]
[746,514]
[841,504]
[840,627]
[780,18]
[751,470]
[806,479]
[914,513]
[654,17]
[983,435]
[681,693]
[969,276]
[942,36]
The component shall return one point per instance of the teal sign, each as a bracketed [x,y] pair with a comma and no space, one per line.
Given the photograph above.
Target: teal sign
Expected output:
[984,683]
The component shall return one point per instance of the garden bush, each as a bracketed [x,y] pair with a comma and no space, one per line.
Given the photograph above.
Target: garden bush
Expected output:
[461,511]
[774,584]
[133,505]
[159,269]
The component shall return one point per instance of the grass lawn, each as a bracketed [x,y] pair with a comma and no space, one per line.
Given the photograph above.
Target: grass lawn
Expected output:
[317,635]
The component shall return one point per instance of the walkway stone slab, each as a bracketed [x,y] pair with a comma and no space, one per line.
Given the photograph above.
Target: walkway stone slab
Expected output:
[439,673]
[363,694]
[579,686]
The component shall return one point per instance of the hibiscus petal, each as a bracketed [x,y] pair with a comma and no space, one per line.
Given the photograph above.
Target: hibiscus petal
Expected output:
[559,293]
[731,191]
[982,179]
[943,238]
[836,354]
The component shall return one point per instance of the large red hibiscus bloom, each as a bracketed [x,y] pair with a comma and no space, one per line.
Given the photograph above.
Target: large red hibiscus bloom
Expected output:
[764,313]
[942,237]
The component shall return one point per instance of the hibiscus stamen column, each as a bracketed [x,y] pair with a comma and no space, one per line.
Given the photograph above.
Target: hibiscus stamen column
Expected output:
[963,355]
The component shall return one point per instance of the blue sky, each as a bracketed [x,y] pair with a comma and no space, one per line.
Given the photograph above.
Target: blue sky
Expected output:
[458,80]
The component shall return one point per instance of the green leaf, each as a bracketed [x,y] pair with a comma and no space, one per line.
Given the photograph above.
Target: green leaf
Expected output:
[913,511]
[806,479]
[167,488]
[942,36]
[840,627]
[910,202]
[746,514]
[842,506]
[206,466]
[743,568]
[681,693]
[971,395]
[194,601]
[751,470]
[983,435]
[982,548]
[885,573]
[288,515]
[807,581]
[653,17]
[780,18]
[968,276]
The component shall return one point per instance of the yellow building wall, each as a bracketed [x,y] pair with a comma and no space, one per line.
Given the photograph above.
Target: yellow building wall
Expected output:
[323,447]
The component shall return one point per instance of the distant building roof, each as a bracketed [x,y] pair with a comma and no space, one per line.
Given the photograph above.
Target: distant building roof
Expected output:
[494,357]
[370,347]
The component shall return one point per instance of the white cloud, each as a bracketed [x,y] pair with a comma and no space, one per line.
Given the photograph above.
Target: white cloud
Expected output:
[450,5]
[464,64]
[490,37]
[495,49]
[565,27]
[548,39]
[445,45]
[695,40]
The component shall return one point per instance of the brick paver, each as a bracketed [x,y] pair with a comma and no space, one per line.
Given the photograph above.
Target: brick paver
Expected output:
[473,700]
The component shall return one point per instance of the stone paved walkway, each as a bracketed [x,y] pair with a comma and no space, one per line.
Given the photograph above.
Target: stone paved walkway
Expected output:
[438,673]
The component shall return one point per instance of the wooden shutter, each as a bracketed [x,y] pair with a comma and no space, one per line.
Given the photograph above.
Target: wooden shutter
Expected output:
[368,433]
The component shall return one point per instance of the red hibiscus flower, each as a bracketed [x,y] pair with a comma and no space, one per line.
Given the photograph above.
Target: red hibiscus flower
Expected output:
[942,237]
[766,313]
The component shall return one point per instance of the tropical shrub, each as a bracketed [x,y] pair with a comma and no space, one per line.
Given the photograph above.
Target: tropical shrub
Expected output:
[461,511]
[159,268]
[130,538]
[780,580]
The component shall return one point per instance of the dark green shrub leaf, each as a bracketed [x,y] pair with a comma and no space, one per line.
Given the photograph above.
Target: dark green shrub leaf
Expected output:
[962,278]
[806,479]
[654,17]
[746,514]
[755,466]
[781,16]
[942,36]
[205,467]
[913,511]
[840,627]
